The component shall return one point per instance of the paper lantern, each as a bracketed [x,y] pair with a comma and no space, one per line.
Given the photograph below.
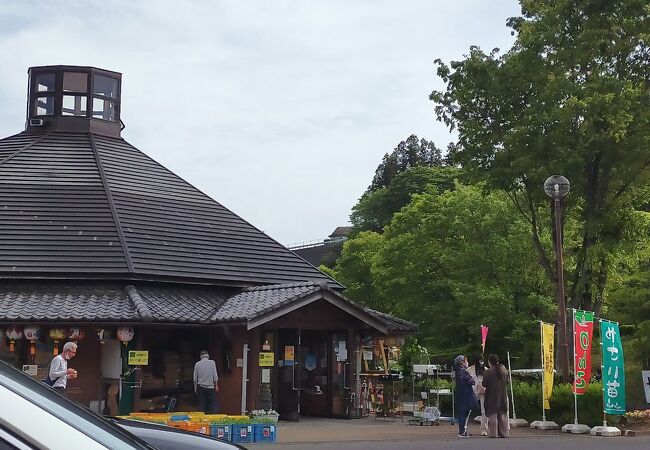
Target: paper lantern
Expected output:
[100,335]
[76,334]
[32,333]
[14,333]
[125,334]
[57,334]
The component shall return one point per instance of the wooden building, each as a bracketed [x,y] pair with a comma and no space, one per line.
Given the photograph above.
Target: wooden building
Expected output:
[98,237]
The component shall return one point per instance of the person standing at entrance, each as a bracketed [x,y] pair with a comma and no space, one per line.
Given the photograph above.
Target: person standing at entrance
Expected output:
[476,370]
[206,383]
[59,371]
[496,400]
[465,398]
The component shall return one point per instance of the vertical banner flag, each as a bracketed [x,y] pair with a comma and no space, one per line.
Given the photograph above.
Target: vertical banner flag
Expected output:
[613,368]
[548,361]
[484,332]
[583,326]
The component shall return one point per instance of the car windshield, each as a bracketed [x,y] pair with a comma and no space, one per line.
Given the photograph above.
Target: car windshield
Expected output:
[84,420]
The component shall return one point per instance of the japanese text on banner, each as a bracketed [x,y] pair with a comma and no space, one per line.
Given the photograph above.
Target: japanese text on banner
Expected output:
[584,330]
[548,361]
[613,368]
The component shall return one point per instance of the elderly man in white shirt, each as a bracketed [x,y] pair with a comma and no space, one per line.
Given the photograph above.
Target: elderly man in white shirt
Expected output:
[206,383]
[59,371]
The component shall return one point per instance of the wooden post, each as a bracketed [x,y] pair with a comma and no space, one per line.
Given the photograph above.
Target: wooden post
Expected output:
[383,356]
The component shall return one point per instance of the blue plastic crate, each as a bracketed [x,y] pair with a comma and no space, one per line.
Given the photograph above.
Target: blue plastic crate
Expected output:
[265,432]
[242,433]
[221,432]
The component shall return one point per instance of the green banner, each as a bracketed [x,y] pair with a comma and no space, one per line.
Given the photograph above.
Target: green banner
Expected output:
[613,368]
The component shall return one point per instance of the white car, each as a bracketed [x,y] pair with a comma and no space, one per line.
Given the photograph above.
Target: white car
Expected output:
[33,416]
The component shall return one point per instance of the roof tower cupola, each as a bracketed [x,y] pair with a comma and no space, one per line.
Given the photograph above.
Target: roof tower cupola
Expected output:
[74,98]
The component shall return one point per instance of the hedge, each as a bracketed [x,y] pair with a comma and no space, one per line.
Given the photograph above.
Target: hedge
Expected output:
[528,404]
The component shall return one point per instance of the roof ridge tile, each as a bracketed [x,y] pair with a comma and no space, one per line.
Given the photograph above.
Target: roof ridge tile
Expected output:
[139,303]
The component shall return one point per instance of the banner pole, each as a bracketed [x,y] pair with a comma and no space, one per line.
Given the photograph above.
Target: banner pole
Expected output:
[541,335]
[512,393]
[602,368]
[575,371]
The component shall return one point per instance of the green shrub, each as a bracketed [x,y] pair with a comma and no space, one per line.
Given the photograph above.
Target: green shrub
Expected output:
[528,404]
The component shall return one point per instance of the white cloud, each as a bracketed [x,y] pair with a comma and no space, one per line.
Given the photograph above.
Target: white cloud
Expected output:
[280,110]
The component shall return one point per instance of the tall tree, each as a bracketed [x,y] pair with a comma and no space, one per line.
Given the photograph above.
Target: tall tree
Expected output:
[571,97]
[409,153]
[375,209]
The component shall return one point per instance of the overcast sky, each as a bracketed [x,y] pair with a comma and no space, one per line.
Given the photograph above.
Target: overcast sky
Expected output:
[279,110]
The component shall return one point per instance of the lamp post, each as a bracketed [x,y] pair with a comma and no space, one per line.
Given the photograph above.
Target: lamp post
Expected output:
[557,187]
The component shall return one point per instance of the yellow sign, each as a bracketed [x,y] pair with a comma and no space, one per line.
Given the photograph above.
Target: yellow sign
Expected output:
[138,357]
[266,359]
[548,363]
[288,352]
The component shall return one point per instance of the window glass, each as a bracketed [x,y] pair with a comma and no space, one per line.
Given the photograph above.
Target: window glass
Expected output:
[105,86]
[45,82]
[4,445]
[75,82]
[44,106]
[104,109]
[74,105]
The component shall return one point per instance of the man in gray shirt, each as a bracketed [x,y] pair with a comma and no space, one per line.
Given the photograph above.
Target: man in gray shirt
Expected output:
[206,383]
[59,371]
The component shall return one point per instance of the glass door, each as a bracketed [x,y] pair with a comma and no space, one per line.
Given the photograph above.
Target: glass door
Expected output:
[288,383]
[339,375]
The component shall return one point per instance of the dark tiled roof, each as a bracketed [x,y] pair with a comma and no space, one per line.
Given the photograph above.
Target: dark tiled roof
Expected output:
[183,304]
[255,301]
[76,204]
[51,302]
[29,302]
[393,323]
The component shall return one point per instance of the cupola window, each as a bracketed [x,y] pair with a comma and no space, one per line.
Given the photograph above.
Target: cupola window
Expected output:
[105,97]
[43,104]
[75,94]
[75,99]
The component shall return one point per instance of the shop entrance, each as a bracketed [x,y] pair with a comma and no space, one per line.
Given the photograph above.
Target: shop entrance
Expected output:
[314,382]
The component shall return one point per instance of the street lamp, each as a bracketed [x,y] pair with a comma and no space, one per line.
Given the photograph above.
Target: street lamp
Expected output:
[557,187]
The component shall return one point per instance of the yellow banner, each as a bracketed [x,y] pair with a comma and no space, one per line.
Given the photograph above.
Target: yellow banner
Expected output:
[548,363]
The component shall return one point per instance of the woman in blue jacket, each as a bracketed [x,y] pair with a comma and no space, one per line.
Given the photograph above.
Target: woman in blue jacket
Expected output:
[465,397]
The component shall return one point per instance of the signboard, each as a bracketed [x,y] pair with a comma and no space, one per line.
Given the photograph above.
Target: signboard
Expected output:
[583,323]
[367,355]
[288,355]
[266,375]
[138,357]
[267,359]
[431,413]
[613,368]
[645,374]
[30,369]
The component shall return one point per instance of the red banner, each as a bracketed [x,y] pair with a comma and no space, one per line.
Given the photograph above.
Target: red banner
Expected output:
[583,323]
[484,332]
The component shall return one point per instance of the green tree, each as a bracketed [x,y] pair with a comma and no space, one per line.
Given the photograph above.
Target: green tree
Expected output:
[456,260]
[408,154]
[377,207]
[571,97]
[354,270]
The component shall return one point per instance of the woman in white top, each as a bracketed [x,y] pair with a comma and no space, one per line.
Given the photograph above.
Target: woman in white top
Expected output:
[476,370]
